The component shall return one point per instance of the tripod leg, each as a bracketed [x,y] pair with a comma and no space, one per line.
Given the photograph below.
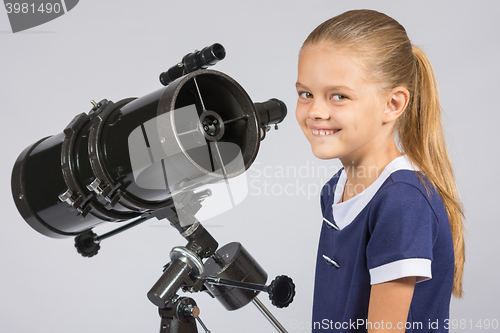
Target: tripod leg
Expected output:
[269,315]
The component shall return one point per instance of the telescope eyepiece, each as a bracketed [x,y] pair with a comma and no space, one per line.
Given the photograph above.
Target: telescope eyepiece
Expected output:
[208,56]
[191,62]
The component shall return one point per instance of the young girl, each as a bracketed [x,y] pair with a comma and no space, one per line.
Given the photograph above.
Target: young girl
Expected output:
[391,249]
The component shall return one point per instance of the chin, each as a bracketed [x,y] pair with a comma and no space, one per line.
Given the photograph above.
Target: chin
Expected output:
[324,155]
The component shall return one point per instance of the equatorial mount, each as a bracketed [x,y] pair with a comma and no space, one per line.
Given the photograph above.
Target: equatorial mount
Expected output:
[229,274]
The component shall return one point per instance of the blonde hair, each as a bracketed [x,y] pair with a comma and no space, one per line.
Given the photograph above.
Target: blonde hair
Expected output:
[392,61]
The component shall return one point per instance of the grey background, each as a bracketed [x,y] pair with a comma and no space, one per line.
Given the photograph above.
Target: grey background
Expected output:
[116,49]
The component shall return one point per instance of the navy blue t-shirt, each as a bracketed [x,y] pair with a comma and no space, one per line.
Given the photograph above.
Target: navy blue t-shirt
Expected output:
[393,229]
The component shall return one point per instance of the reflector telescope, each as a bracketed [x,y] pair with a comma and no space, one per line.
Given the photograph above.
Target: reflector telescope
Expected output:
[163,155]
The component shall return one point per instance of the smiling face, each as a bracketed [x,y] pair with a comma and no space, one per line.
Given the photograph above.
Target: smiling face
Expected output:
[342,113]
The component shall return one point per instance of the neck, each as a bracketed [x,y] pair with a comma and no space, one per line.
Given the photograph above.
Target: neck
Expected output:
[362,172]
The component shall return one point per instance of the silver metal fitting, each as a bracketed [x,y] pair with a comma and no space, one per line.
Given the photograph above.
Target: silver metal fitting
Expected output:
[95,186]
[67,197]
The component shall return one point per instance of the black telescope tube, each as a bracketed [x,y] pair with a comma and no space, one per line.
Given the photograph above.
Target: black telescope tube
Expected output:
[271,112]
[191,62]
[68,183]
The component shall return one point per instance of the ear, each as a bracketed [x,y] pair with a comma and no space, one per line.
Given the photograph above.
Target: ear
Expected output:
[397,102]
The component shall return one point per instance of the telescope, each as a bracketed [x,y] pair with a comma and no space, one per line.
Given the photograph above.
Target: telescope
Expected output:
[165,155]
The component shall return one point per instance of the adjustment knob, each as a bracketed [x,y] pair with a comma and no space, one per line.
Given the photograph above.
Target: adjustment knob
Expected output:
[192,311]
[86,244]
[281,291]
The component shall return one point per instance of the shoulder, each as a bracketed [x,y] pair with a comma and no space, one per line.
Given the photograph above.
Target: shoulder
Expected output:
[406,194]
[410,187]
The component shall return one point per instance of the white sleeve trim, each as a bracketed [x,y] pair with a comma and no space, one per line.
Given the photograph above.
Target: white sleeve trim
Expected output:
[421,268]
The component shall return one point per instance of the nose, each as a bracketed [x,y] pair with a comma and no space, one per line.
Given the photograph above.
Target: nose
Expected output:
[317,111]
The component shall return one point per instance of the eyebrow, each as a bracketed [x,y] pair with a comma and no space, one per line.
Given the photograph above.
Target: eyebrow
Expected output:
[299,85]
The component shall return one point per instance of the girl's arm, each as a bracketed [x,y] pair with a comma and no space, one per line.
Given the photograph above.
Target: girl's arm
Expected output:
[390,303]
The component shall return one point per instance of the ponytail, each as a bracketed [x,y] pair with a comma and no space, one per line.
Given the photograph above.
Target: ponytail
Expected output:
[421,137]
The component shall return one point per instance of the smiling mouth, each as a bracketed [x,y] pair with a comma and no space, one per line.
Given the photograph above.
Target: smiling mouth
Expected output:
[323,132]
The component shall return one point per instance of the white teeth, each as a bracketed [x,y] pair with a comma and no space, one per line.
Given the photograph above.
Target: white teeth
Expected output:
[322,132]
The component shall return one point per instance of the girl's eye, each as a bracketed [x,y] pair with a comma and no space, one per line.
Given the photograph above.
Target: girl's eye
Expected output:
[338,97]
[305,94]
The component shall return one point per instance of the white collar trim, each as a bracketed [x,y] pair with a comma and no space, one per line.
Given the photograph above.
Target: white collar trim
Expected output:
[345,212]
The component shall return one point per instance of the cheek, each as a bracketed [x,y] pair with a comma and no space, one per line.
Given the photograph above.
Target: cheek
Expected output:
[359,120]
[344,118]
[368,119]
[301,114]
